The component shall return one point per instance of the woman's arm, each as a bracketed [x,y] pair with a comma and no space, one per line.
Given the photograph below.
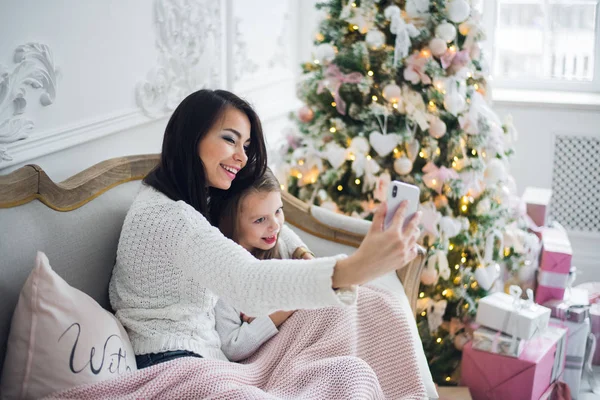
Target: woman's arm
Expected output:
[256,287]
[261,287]
[239,340]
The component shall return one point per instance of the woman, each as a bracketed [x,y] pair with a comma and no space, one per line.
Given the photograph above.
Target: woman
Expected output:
[172,264]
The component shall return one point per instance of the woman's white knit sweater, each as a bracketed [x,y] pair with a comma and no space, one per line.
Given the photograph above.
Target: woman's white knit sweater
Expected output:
[173,265]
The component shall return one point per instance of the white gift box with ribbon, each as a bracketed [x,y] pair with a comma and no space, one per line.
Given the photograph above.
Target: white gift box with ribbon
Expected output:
[512,315]
[492,341]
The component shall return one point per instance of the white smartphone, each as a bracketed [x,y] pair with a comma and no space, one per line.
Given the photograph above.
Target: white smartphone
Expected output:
[397,192]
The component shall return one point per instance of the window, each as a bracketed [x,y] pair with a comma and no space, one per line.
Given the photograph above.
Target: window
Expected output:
[544,44]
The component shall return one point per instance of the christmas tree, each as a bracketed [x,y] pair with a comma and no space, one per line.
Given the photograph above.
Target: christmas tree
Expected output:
[397,90]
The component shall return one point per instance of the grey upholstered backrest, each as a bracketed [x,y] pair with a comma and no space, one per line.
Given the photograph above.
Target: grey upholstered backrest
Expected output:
[80,244]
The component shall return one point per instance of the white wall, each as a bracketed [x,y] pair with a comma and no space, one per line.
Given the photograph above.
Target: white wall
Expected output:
[101,52]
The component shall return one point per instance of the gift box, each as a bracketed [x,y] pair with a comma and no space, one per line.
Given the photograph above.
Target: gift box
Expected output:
[555,264]
[564,310]
[575,352]
[593,291]
[485,339]
[595,326]
[537,202]
[495,377]
[515,317]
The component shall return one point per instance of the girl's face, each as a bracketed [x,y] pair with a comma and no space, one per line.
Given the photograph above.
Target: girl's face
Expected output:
[223,149]
[260,220]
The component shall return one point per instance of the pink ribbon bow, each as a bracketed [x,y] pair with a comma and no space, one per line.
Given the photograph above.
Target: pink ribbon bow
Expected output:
[455,59]
[334,78]
[435,177]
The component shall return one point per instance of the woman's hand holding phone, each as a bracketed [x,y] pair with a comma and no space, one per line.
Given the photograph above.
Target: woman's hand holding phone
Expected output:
[382,250]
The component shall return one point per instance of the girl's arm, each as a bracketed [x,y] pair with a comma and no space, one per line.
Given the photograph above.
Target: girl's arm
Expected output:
[239,340]
[291,241]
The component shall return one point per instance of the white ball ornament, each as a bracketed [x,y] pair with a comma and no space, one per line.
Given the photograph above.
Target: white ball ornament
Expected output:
[446,31]
[403,165]
[392,93]
[495,171]
[438,46]
[437,127]
[458,11]
[375,39]
[454,103]
[325,53]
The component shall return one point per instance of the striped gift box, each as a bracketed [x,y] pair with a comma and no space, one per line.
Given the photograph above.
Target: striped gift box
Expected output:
[576,343]
[555,264]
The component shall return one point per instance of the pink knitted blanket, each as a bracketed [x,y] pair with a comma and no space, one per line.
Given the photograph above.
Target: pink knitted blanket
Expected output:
[359,352]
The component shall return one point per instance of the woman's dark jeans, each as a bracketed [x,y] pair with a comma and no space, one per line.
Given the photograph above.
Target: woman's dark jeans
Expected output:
[148,360]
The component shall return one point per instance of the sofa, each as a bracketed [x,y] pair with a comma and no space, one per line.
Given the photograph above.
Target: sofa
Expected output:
[77,224]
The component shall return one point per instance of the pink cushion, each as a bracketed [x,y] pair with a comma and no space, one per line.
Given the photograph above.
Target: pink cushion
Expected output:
[60,338]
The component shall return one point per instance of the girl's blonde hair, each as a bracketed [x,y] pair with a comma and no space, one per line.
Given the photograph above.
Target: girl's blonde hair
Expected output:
[226,214]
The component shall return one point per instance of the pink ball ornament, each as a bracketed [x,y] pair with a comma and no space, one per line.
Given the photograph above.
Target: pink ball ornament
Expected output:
[438,47]
[460,340]
[437,127]
[392,92]
[305,114]
[429,276]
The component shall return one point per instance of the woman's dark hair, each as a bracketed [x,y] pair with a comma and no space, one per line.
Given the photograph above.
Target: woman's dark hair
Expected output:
[180,175]
[226,213]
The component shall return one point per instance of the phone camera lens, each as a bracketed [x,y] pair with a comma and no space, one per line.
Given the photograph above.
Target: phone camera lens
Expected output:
[394,191]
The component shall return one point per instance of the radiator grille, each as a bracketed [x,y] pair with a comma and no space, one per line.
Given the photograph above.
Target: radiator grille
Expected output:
[576,183]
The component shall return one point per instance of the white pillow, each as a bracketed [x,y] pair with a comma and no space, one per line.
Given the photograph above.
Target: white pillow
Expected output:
[60,338]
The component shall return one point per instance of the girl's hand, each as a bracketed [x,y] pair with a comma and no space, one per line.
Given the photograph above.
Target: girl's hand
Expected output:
[381,251]
[279,317]
[246,318]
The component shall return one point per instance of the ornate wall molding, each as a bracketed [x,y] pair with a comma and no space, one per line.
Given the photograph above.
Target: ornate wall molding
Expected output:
[35,70]
[243,65]
[189,41]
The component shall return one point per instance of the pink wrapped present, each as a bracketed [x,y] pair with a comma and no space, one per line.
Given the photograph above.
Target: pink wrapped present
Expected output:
[537,203]
[491,376]
[555,264]
[595,325]
[574,307]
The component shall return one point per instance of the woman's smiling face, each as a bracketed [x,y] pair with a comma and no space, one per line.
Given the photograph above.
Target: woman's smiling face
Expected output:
[223,149]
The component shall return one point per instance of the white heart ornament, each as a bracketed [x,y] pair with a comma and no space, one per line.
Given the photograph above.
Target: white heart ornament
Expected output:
[384,144]
[336,155]
[486,276]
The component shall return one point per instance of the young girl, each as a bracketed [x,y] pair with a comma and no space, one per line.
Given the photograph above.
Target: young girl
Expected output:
[253,218]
